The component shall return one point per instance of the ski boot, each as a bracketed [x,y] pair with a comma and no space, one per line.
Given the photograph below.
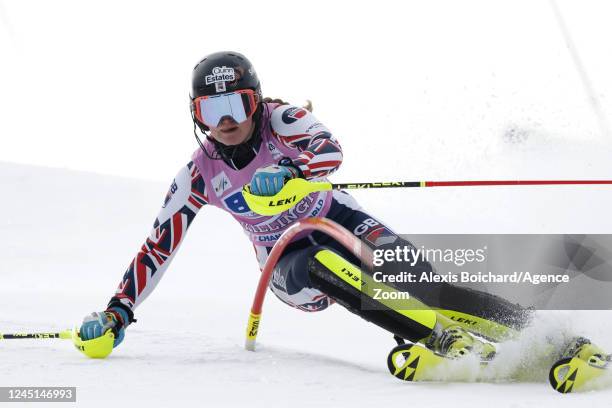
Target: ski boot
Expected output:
[456,342]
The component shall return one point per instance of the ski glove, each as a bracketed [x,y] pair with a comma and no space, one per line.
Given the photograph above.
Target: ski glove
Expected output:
[267,181]
[98,323]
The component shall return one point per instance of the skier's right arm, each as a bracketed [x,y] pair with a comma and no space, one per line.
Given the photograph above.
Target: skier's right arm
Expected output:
[187,194]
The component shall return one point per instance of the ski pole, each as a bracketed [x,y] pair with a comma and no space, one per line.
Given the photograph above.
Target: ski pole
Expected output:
[99,347]
[296,189]
[66,334]
[349,186]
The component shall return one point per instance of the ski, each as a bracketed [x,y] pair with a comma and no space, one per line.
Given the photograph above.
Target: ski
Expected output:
[580,369]
[414,362]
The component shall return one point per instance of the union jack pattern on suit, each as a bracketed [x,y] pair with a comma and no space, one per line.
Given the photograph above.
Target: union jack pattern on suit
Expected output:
[168,231]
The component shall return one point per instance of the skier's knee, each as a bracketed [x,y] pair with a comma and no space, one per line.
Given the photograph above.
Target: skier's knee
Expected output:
[291,282]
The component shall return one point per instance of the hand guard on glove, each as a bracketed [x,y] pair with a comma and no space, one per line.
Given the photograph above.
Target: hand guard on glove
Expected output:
[269,180]
[98,323]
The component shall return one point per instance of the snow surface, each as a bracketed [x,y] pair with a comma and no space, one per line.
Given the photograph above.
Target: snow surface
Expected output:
[67,237]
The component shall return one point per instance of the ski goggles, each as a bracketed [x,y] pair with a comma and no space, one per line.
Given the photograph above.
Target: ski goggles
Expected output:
[212,109]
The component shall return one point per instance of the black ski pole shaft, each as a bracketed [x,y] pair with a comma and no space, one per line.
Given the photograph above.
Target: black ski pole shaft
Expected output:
[49,335]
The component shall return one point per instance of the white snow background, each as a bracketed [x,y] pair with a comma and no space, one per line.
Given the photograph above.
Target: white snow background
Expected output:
[93,102]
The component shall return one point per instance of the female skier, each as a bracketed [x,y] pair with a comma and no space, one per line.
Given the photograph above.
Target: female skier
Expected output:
[249,140]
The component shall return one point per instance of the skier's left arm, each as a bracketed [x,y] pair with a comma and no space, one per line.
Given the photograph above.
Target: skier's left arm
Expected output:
[297,128]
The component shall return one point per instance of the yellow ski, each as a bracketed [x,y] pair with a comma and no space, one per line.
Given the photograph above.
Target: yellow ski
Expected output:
[582,372]
[414,362]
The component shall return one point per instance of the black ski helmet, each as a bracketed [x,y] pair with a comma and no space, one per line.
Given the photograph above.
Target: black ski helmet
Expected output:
[208,78]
